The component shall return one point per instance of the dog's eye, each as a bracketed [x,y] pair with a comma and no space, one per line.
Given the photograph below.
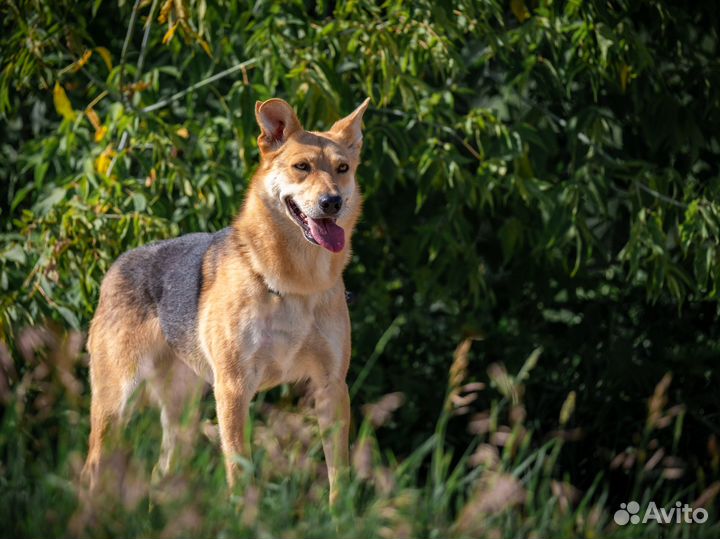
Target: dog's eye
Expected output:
[343,168]
[302,166]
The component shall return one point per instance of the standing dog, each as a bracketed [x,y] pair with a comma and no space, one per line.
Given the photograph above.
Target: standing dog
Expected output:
[255,305]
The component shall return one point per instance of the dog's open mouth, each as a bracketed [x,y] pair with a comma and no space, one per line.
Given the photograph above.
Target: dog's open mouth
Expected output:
[324,232]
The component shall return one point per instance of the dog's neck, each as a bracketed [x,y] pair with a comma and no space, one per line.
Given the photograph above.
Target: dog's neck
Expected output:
[279,253]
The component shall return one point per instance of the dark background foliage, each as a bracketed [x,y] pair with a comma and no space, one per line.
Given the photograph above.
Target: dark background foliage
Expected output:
[536,174]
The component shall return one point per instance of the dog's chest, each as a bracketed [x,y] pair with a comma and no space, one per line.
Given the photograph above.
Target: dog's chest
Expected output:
[277,329]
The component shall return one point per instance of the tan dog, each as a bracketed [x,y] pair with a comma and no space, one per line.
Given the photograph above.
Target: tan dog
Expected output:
[255,305]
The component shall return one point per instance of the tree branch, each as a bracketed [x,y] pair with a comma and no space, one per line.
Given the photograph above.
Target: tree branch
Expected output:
[146,38]
[179,95]
[660,196]
[126,44]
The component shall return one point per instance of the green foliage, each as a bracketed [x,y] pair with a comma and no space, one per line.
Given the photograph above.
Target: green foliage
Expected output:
[536,173]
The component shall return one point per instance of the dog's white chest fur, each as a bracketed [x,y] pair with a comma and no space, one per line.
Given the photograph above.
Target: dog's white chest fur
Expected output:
[274,334]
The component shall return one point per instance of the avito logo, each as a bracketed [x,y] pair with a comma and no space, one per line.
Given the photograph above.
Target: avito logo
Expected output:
[678,514]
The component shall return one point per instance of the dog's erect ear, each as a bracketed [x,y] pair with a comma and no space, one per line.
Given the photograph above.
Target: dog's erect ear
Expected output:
[277,121]
[349,129]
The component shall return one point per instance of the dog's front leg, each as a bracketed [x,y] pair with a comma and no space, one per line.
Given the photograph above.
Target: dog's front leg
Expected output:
[332,405]
[232,397]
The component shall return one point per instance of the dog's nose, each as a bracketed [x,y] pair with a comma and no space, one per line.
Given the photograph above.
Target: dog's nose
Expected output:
[330,204]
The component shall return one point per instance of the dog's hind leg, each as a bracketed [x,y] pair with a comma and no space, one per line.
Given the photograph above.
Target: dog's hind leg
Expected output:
[112,381]
[175,388]
[122,338]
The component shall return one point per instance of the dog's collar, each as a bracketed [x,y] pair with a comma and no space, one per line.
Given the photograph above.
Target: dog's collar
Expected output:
[270,290]
[273,292]
[349,296]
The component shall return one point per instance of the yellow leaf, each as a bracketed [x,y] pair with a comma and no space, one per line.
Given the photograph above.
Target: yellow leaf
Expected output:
[106,56]
[205,46]
[136,87]
[102,163]
[183,132]
[169,35]
[568,408]
[520,10]
[94,118]
[165,11]
[62,103]
[624,77]
[100,133]
[78,64]
[151,178]
[100,129]
[84,60]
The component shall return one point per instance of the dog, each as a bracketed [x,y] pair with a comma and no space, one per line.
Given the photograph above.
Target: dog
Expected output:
[255,305]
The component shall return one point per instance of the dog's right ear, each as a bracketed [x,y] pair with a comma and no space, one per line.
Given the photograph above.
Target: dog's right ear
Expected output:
[277,121]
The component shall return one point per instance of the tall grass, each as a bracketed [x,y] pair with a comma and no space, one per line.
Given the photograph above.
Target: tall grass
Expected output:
[509,482]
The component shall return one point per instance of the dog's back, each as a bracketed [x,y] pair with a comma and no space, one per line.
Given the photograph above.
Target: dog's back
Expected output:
[165,279]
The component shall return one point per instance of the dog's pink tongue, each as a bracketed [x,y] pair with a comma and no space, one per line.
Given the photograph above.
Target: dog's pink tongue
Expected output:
[327,234]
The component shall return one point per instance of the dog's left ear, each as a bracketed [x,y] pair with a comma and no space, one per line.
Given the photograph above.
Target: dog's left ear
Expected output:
[349,129]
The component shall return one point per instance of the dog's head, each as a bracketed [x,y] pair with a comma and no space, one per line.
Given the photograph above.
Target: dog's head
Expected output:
[310,176]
